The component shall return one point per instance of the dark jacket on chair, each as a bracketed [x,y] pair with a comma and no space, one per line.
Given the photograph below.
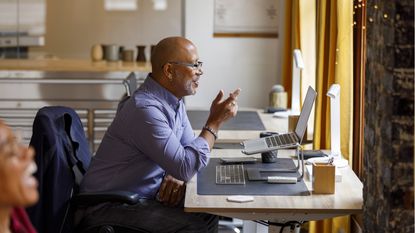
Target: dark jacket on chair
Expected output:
[62,157]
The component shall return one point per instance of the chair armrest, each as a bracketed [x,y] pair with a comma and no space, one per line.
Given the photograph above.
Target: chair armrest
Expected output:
[90,199]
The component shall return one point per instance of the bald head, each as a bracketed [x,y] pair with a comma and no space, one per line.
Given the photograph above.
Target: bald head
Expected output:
[171,49]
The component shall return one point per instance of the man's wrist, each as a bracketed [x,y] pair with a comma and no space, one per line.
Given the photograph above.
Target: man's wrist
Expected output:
[212,131]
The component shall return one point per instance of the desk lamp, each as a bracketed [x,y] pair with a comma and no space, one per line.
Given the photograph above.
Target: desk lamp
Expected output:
[298,65]
[334,94]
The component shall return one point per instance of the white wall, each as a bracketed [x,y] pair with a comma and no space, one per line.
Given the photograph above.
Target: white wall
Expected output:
[253,64]
[73,26]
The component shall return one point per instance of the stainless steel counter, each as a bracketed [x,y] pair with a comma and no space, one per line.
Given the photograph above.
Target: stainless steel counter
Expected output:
[93,95]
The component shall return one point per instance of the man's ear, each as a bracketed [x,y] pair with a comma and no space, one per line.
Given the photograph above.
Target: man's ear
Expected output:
[168,71]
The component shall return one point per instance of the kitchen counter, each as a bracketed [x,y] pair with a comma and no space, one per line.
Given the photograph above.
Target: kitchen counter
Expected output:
[72,65]
[93,89]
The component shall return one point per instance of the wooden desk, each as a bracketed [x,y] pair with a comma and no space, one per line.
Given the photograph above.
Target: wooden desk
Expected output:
[348,199]
[236,136]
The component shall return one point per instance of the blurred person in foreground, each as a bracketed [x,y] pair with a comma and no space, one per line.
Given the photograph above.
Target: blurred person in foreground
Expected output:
[150,147]
[18,186]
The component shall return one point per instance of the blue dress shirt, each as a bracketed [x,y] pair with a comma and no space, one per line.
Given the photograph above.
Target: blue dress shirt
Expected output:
[150,136]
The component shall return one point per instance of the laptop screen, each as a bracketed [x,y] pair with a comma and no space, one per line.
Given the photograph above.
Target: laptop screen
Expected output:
[305,113]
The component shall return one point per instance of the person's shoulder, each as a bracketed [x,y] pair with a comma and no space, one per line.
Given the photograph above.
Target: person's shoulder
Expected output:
[146,99]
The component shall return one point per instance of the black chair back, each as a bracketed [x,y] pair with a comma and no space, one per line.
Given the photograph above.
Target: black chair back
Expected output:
[62,157]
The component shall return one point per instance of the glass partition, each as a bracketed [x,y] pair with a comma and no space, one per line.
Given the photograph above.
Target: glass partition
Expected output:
[22,25]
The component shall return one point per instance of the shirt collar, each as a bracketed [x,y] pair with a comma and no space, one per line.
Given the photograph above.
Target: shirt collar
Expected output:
[156,89]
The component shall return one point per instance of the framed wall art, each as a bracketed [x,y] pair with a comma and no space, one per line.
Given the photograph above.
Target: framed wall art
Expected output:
[245,18]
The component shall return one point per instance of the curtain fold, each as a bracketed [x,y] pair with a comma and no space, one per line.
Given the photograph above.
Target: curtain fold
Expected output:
[344,74]
[334,65]
[333,59]
[291,42]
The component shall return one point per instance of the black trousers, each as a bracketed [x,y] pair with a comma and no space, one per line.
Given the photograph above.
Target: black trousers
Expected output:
[146,216]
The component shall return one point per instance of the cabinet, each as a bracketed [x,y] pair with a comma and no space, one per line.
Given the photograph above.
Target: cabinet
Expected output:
[93,95]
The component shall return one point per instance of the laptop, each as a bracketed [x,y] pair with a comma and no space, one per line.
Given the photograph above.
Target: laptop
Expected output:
[287,140]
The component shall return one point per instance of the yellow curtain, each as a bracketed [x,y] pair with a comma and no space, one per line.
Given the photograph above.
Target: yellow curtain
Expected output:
[299,20]
[334,65]
[291,42]
[308,49]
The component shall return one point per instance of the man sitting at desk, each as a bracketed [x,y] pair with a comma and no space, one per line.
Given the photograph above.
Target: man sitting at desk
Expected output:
[150,147]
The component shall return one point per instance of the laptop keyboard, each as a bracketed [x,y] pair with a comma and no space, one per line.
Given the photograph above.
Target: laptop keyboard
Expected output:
[281,139]
[230,174]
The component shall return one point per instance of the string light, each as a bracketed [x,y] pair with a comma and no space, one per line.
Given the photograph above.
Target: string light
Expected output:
[360,4]
[357,6]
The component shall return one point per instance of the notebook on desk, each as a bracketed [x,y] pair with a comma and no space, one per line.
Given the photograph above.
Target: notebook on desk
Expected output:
[287,140]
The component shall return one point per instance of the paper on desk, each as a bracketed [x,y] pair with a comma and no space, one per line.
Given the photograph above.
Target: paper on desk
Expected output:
[339,163]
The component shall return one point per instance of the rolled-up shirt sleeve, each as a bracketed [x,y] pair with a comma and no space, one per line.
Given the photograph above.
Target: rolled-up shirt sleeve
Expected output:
[171,145]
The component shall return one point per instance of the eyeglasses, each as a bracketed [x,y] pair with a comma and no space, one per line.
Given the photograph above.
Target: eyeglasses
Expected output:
[195,66]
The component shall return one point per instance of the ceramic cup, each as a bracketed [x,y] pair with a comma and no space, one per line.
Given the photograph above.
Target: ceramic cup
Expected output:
[97,53]
[278,97]
[141,56]
[111,52]
[128,55]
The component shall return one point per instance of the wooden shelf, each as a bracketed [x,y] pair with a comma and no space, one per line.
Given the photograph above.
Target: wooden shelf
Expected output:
[71,65]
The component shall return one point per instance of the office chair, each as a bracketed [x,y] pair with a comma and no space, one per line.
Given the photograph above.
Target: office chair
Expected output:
[62,157]
[130,84]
